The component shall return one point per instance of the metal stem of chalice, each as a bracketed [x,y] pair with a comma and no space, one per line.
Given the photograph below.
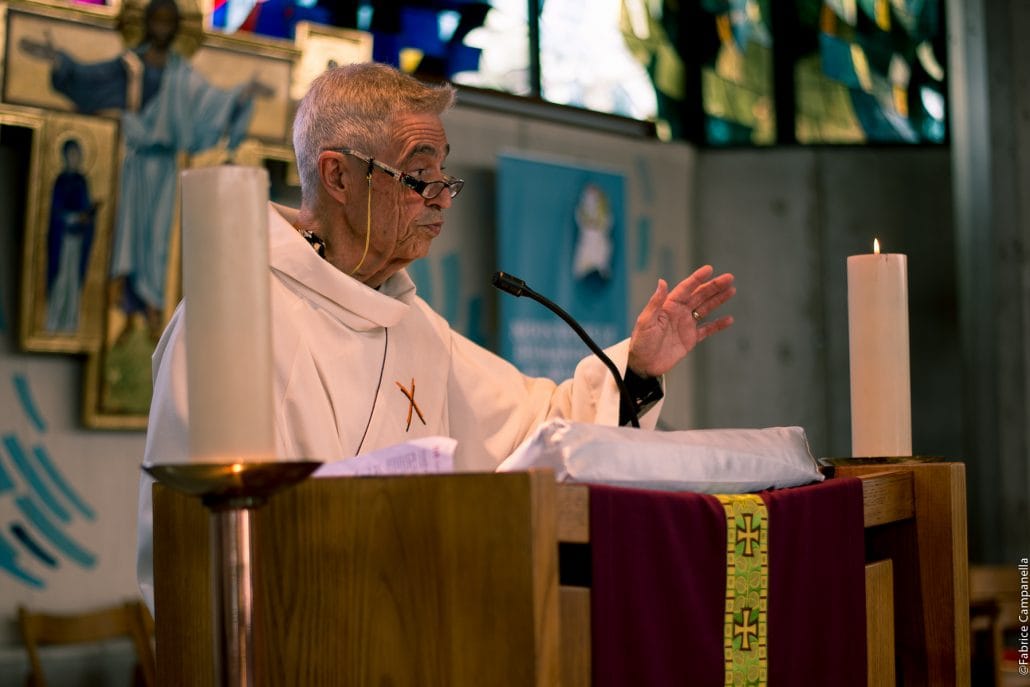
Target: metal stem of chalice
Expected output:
[230,491]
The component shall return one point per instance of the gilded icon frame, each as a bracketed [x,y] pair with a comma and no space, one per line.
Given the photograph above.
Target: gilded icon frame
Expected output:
[229,60]
[93,33]
[320,46]
[92,30]
[54,228]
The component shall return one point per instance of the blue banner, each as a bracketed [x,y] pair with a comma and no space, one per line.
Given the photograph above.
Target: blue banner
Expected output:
[561,228]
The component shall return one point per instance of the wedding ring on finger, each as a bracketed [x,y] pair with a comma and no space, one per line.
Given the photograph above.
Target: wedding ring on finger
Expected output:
[696,315]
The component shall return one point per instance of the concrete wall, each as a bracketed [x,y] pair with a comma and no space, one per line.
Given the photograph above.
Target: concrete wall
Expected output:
[990,92]
[784,221]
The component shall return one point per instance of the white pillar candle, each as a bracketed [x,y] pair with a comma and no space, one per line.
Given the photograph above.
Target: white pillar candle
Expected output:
[228,313]
[881,405]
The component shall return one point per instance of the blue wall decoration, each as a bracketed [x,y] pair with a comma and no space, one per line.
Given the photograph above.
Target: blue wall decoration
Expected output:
[561,228]
[35,540]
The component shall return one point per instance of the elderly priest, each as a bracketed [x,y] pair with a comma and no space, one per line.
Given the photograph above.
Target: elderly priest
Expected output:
[355,349]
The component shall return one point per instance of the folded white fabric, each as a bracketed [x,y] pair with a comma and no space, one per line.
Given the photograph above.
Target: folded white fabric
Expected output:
[710,461]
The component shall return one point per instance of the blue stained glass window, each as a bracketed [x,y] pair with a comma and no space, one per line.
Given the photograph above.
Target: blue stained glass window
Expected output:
[435,39]
[275,18]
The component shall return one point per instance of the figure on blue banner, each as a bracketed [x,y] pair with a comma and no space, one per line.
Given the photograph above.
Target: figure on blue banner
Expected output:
[69,240]
[165,108]
[593,254]
[578,212]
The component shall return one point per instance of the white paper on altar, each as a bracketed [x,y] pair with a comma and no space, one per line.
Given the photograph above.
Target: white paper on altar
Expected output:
[710,461]
[427,455]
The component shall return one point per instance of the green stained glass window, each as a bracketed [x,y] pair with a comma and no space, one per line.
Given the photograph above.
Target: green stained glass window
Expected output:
[873,74]
[736,72]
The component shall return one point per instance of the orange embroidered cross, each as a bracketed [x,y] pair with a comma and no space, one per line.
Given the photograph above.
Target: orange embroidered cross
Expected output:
[410,395]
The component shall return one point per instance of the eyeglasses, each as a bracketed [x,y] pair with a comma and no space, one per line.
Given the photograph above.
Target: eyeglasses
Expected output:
[426,189]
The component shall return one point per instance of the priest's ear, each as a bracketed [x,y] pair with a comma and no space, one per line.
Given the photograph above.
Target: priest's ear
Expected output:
[334,174]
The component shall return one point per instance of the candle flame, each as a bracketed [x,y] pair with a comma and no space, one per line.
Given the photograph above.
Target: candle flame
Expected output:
[876,246]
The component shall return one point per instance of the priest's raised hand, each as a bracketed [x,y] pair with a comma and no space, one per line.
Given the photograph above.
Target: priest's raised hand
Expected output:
[675,321]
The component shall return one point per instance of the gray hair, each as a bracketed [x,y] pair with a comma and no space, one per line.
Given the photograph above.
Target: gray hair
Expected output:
[353,106]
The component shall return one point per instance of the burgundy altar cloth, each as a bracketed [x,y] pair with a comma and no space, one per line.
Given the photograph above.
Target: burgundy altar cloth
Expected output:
[659,585]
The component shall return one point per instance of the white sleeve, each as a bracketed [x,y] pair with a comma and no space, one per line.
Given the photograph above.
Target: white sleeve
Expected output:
[493,407]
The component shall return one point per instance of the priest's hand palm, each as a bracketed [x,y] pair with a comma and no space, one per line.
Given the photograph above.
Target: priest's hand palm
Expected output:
[673,322]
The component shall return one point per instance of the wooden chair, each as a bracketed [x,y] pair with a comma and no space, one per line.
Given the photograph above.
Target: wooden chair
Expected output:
[130,619]
[993,610]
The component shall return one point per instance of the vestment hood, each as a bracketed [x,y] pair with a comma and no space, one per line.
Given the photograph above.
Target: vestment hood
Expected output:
[343,297]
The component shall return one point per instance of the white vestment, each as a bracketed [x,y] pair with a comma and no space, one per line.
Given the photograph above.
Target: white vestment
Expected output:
[341,353]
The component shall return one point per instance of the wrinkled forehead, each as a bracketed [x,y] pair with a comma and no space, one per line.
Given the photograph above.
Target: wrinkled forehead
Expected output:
[417,136]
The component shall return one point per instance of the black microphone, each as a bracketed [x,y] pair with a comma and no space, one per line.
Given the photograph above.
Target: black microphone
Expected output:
[516,287]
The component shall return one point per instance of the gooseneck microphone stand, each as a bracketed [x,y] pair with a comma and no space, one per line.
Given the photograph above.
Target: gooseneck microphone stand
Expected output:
[517,287]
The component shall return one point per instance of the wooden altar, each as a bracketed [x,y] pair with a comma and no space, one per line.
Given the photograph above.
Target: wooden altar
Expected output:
[453,580]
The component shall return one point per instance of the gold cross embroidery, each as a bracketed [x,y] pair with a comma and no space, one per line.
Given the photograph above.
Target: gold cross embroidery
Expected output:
[745,628]
[750,533]
[410,395]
